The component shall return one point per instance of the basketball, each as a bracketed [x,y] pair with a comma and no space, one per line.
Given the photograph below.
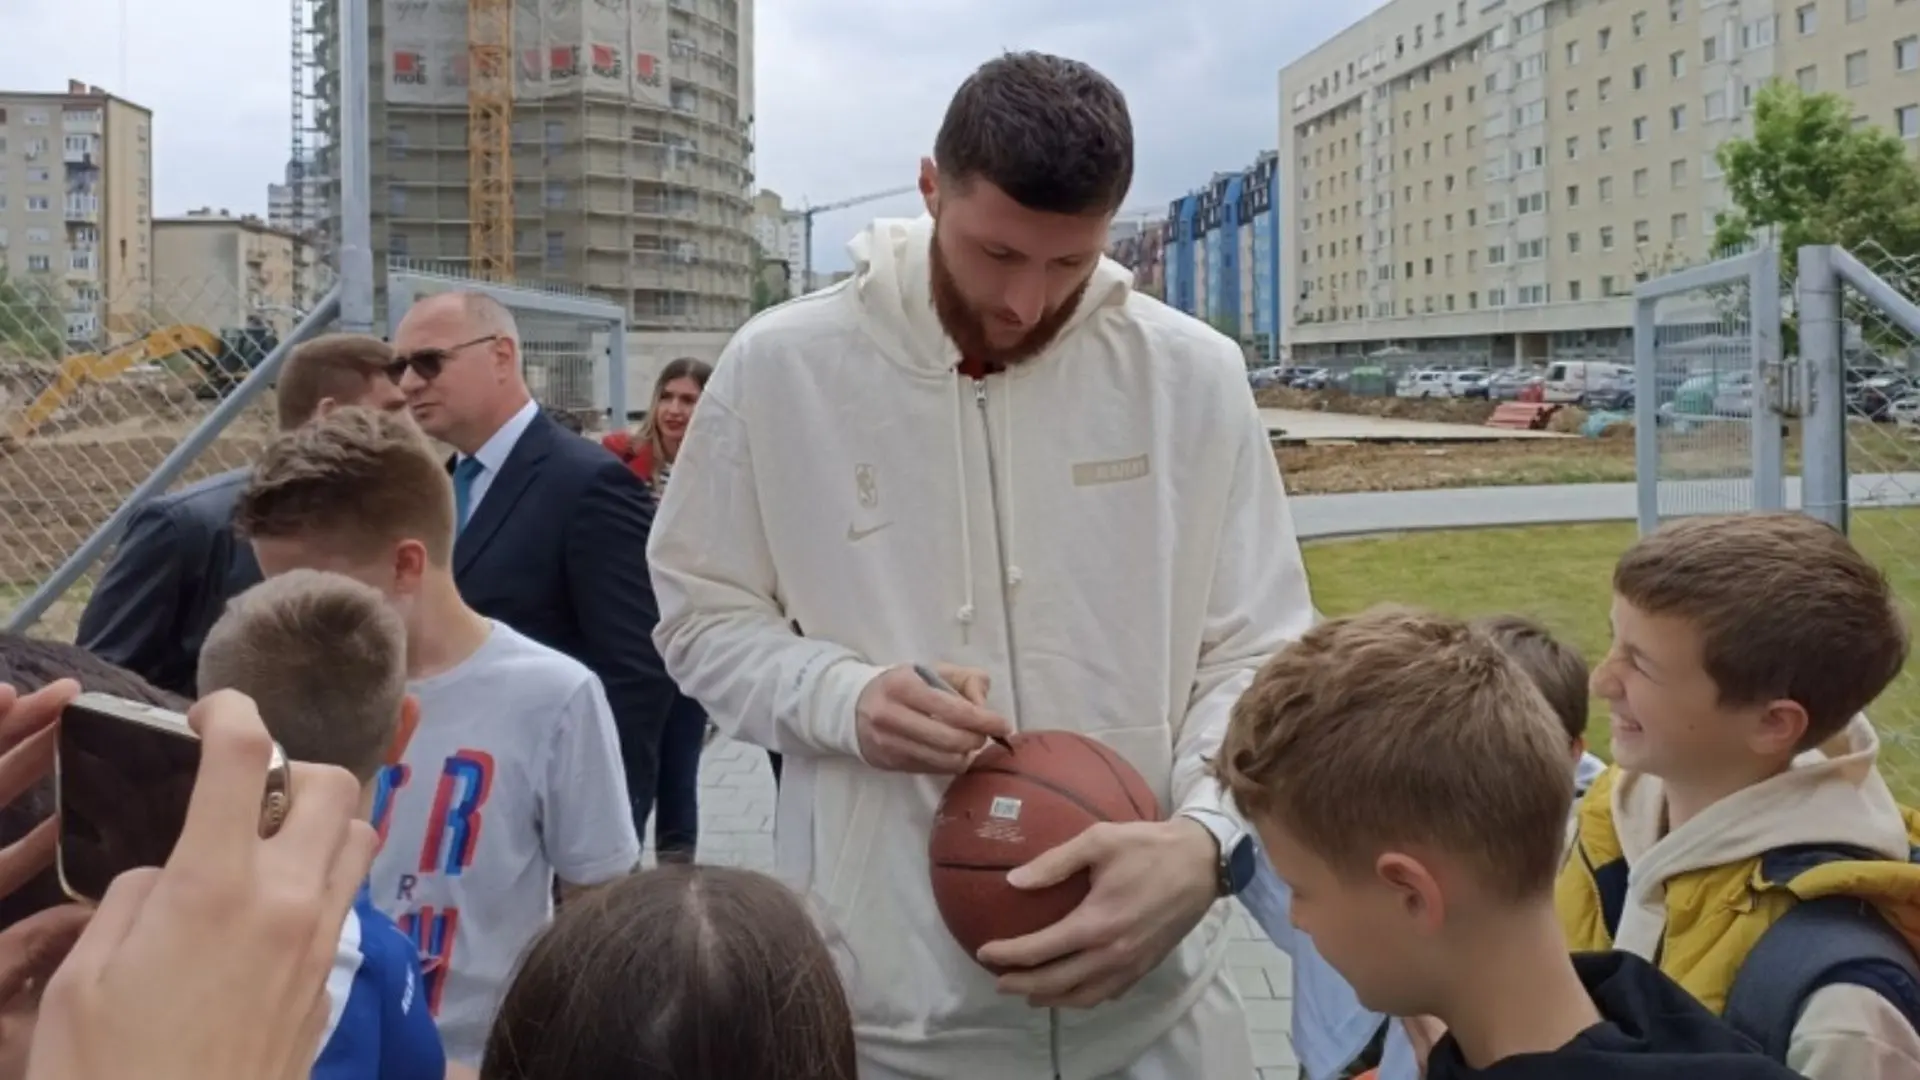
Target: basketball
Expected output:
[1010,806]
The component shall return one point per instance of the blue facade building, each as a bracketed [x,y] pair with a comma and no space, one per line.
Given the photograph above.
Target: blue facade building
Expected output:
[1223,253]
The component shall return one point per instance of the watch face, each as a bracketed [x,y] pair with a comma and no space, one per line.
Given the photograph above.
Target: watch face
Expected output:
[1240,864]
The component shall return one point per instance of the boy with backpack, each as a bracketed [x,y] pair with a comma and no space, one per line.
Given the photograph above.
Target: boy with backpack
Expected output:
[1433,894]
[1745,841]
[325,660]
[1333,1034]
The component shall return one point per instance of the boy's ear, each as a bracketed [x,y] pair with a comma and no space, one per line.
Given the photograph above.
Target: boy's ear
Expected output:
[1579,748]
[1419,890]
[403,731]
[1782,725]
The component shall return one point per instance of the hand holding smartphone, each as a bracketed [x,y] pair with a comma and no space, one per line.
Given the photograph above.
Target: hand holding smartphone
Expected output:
[123,777]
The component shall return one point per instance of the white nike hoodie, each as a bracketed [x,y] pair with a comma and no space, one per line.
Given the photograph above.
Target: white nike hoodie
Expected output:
[1102,529]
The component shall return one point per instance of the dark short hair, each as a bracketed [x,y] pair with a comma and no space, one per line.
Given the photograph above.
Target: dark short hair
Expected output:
[28,664]
[1556,667]
[337,366]
[707,971]
[1052,133]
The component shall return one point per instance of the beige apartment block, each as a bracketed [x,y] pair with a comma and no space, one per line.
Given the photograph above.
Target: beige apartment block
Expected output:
[222,272]
[76,199]
[1487,181]
[631,148]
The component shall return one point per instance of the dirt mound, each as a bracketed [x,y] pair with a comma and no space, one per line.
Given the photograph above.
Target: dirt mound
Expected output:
[1434,410]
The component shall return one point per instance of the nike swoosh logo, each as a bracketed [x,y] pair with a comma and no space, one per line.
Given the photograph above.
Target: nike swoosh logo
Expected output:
[855,535]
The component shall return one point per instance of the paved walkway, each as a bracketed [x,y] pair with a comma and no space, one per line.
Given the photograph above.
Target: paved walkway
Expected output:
[736,827]
[1304,425]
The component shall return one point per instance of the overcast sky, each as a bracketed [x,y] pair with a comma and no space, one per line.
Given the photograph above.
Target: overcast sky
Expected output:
[849,92]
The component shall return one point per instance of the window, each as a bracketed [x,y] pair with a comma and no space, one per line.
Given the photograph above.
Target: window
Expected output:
[553,194]
[1677,116]
[1606,139]
[1573,147]
[1906,53]
[1758,33]
[1677,227]
[1606,238]
[1606,189]
[1531,204]
[1806,19]
[1638,24]
[1906,121]
[1639,181]
[1808,78]
[1497,211]
[1497,255]
[1605,89]
[1716,104]
[1573,243]
[1677,64]
[1642,232]
[1573,53]
[1856,10]
[1532,249]
[1533,294]
[397,201]
[1677,173]
[39,202]
[1639,129]
[1573,101]
[1573,196]
[1856,68]
[1639,76]
[1710,49]
[1676,10]
[1605,37]
[1573,289]
[39,264]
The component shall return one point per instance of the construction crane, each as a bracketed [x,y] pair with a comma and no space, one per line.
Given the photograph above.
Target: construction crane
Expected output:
[805,217]
[490,137]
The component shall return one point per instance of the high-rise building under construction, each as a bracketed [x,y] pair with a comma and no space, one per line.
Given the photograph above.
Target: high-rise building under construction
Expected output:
[630,150]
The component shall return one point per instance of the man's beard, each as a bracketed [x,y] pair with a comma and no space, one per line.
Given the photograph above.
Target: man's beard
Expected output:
[968,328]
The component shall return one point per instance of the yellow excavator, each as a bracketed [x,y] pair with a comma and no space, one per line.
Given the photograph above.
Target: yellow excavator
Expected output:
[203,347]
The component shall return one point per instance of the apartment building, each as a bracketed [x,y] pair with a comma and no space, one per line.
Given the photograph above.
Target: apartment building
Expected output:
[222,272]
[299,205]
[76,190]
[778,233]
[1140,245]
[1222,254]
[1489,180]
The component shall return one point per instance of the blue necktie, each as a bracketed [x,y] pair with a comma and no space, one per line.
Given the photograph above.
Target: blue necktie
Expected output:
[464,474]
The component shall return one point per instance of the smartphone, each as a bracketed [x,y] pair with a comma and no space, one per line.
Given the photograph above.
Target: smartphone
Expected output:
[122,778]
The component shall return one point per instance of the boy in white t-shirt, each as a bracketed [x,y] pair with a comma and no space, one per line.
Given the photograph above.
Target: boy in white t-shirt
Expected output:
[513,774]
[1333,1034]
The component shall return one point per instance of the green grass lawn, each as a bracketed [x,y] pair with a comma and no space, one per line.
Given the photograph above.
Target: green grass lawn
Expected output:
[1559,574]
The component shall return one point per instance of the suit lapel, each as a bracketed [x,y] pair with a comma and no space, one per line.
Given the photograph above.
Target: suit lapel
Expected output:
[515,475]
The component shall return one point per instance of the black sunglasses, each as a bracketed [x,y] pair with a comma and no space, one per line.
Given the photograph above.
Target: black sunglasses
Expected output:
[427,363]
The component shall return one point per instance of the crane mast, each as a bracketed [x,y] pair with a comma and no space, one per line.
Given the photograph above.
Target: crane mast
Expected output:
[490,137]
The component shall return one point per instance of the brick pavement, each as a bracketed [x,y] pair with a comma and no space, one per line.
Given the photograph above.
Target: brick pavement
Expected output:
[736,827]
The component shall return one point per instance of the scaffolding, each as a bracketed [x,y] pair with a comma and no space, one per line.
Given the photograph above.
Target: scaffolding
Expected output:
[620,163]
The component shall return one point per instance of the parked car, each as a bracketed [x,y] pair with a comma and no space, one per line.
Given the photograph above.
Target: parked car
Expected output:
[1262,377]
[1469,384]
[1734,395]
[1507,383]
[1872,397]
[1615,398]
[1905,412]
[1573,380]
[1425,383]
[1312,379]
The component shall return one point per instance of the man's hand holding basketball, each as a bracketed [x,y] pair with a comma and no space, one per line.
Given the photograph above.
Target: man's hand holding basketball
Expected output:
[907,726]
[1152,883]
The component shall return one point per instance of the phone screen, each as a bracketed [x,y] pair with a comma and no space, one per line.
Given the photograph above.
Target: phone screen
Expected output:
[123,789]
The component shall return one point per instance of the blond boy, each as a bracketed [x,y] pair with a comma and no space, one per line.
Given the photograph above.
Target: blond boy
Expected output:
[325,660]
[1410,784]
[1746,839]
[513,775]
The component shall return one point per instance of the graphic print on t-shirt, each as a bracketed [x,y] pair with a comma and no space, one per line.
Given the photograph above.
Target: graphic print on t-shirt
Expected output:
[452,836]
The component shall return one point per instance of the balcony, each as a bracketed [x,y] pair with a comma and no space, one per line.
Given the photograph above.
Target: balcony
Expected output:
[84,209]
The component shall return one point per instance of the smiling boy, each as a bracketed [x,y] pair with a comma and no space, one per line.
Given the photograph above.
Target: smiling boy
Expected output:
[1746,841]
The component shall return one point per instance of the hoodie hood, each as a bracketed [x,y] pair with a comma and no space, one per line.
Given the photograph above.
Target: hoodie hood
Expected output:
[893,270]
[1649,1028]
[1832,796]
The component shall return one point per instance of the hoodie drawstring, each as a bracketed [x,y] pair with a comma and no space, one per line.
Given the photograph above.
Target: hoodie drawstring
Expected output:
[966,612]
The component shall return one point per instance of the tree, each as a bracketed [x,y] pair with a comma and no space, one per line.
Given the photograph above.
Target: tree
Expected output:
[1811,176]
[31,326]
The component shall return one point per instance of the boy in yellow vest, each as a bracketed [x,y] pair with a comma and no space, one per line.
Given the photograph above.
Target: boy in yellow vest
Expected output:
[1745,840]
[1409,783]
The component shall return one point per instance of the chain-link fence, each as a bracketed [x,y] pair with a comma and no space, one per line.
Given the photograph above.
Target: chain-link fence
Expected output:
[1706,352]
[1863,466]
[572,345]
[101,386]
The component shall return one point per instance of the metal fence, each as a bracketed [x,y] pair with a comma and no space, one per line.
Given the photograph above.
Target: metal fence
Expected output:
[113,394]
[1706,344]
[1859,334]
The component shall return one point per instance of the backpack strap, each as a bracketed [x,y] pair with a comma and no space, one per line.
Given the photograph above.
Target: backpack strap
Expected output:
[1610,881]
[1829,941]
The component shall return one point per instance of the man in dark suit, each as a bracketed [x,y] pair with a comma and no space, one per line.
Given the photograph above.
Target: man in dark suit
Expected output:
[553,528]
[179,562]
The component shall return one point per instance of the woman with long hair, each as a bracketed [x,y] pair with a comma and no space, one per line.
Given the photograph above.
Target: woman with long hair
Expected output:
[650,453]
[679,973]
